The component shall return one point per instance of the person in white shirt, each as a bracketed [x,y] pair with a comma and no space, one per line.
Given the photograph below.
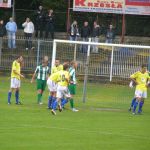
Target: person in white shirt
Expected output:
[28,32]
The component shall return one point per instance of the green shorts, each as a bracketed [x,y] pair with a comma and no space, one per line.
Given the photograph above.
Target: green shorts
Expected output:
[41,84]
[72,89]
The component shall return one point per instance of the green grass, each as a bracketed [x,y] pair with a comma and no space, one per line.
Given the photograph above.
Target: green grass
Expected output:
[102,123]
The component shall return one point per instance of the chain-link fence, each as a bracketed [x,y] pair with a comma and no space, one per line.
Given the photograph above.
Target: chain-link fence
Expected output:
[100,63]
[32,57]
[109,69]
[107,66]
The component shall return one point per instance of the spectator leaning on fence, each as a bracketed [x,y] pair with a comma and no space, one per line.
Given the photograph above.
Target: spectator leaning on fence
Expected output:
[74,31]
[39,22]
[28,32]
[11,28]
[2,33]
[85,34]
[49,24]
[95,36]
[110,34]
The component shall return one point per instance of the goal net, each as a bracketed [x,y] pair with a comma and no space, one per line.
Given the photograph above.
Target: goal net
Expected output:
[103,70]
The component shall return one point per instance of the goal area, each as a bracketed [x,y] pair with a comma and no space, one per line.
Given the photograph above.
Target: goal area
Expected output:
[103,69]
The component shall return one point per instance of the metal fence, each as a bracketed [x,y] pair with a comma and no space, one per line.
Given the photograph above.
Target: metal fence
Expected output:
[108,64]
[111,60]
[125,59]
[32,57]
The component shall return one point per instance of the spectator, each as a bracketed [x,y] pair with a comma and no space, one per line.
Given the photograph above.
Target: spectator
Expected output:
[85,34]
[39,22]
[95,36]
[11,28]
[28,32]
[49,24]
[110,34]
[74,31]
[2,33]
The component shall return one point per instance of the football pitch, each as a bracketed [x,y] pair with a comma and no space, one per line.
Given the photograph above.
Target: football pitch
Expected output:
[102,123]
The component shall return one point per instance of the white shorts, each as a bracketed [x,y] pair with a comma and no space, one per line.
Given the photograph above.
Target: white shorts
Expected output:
[52,86]
[15,83]
[140,94]
[62,91]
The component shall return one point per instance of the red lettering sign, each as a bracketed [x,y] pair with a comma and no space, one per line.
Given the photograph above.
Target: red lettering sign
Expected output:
[119,5]
[80,2]
[107,5]
[96,4]
[90,4]
[101,4]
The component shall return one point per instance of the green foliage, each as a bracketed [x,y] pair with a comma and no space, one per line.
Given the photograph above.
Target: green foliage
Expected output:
[57,5]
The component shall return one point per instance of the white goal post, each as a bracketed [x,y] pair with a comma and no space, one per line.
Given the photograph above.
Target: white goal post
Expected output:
[116,55]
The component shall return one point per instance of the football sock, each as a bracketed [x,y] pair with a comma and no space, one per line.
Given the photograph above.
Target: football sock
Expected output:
[50,101]
[39,98]
[63,102]
[9,96]
[53,100]
[71,103]
[135,106]
[133,101]
[54,104]
[17,97]
[140,106]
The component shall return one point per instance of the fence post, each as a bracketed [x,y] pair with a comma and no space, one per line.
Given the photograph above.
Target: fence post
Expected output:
[1,43]
[149,62]
[38,53]
[86,72]
[75,52]
[111,68]
[53,55]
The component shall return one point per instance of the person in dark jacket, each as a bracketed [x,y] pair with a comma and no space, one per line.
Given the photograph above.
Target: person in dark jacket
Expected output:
[85,34]
[110,34]
[39,22]
[2,33]
[49,24]
[2,28]
[95,36]
[85,31]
